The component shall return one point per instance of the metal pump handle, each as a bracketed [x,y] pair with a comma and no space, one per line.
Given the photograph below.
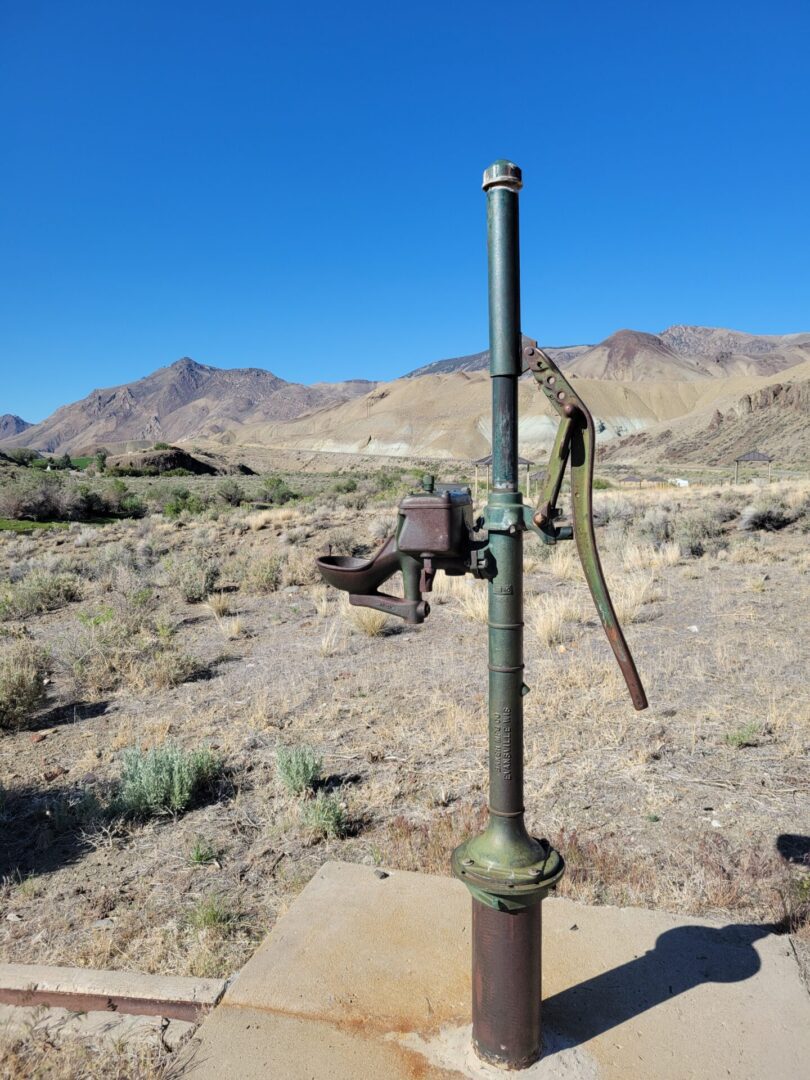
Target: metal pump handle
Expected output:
[576,440]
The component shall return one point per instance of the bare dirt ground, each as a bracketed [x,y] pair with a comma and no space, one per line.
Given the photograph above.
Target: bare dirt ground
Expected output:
[700,804]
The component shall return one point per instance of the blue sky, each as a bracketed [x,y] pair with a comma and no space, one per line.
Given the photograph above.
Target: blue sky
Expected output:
[297,186]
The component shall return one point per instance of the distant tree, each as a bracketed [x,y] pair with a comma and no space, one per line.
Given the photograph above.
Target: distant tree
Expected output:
[161,446]
[22,455]
[64,462]
[101,458]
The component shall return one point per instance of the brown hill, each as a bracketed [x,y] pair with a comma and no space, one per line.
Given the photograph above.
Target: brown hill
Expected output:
[11,425]
[186,400]
[731,352]
[680,352]
[771,416]
[631,355]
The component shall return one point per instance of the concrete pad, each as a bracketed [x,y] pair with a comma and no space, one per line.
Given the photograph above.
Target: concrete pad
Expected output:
[88,989]
[369,977]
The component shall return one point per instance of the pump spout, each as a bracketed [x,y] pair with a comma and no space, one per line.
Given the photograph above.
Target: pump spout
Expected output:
[361,579]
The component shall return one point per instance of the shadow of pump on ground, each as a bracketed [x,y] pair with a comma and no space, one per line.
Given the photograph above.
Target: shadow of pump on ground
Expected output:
[683,958]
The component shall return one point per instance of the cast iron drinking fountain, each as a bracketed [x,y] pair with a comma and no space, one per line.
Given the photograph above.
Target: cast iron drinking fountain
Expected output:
[507,871]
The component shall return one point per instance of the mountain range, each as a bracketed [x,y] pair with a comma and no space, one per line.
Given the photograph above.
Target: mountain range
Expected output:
[686,392]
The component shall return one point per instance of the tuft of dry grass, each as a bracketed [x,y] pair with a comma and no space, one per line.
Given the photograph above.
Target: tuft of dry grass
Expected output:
[548,616]
[320,598]
[650,556]
[333,641]
[369,621]
[231,628]
[473,600]
[562,562]
[219,604]
[630,594]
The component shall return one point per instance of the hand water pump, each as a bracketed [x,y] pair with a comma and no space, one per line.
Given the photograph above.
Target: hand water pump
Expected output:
[507,871]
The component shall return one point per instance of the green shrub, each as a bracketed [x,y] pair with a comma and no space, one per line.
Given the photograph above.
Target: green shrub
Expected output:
[203,853]
[601,484]
[344,486]
[230,492]
[325,816]
[22,686]
[299,768]
[165,780]
[194,578]
[274,490]
[39,591]
[180,501]
[23,455]
[161,446]
[747,735]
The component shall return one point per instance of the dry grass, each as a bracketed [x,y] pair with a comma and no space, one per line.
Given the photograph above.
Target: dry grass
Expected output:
[35,1057]
[219,604]
[369,621]
[334,639]
[321,597]
[650,557]
[471,597]
[550,615]
[231,627]
[630,594]
[563,562]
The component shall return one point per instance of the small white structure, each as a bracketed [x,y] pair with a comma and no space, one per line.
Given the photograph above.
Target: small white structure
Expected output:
[678,481]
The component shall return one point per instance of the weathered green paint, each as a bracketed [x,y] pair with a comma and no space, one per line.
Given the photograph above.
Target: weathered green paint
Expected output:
[504,867]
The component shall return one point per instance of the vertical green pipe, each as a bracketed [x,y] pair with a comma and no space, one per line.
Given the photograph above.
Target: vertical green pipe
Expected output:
[502,182]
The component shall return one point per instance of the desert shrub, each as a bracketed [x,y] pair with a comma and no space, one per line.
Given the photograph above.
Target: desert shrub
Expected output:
[53,497]
[37,592]
[769,517]
[274,489]
[324,815]
[697,531]
[341,487]
[298,768]
[230,492]
[601,484]
[119,500]
[301,568]
[181,501]
[22,686]
[264,575]
[614,510]
[655,525]
[164,780]
[22,455]
[193,577]
[356,500]
[108,647]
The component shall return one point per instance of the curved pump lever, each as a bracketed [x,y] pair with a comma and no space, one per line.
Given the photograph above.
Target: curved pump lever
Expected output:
[576,440]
